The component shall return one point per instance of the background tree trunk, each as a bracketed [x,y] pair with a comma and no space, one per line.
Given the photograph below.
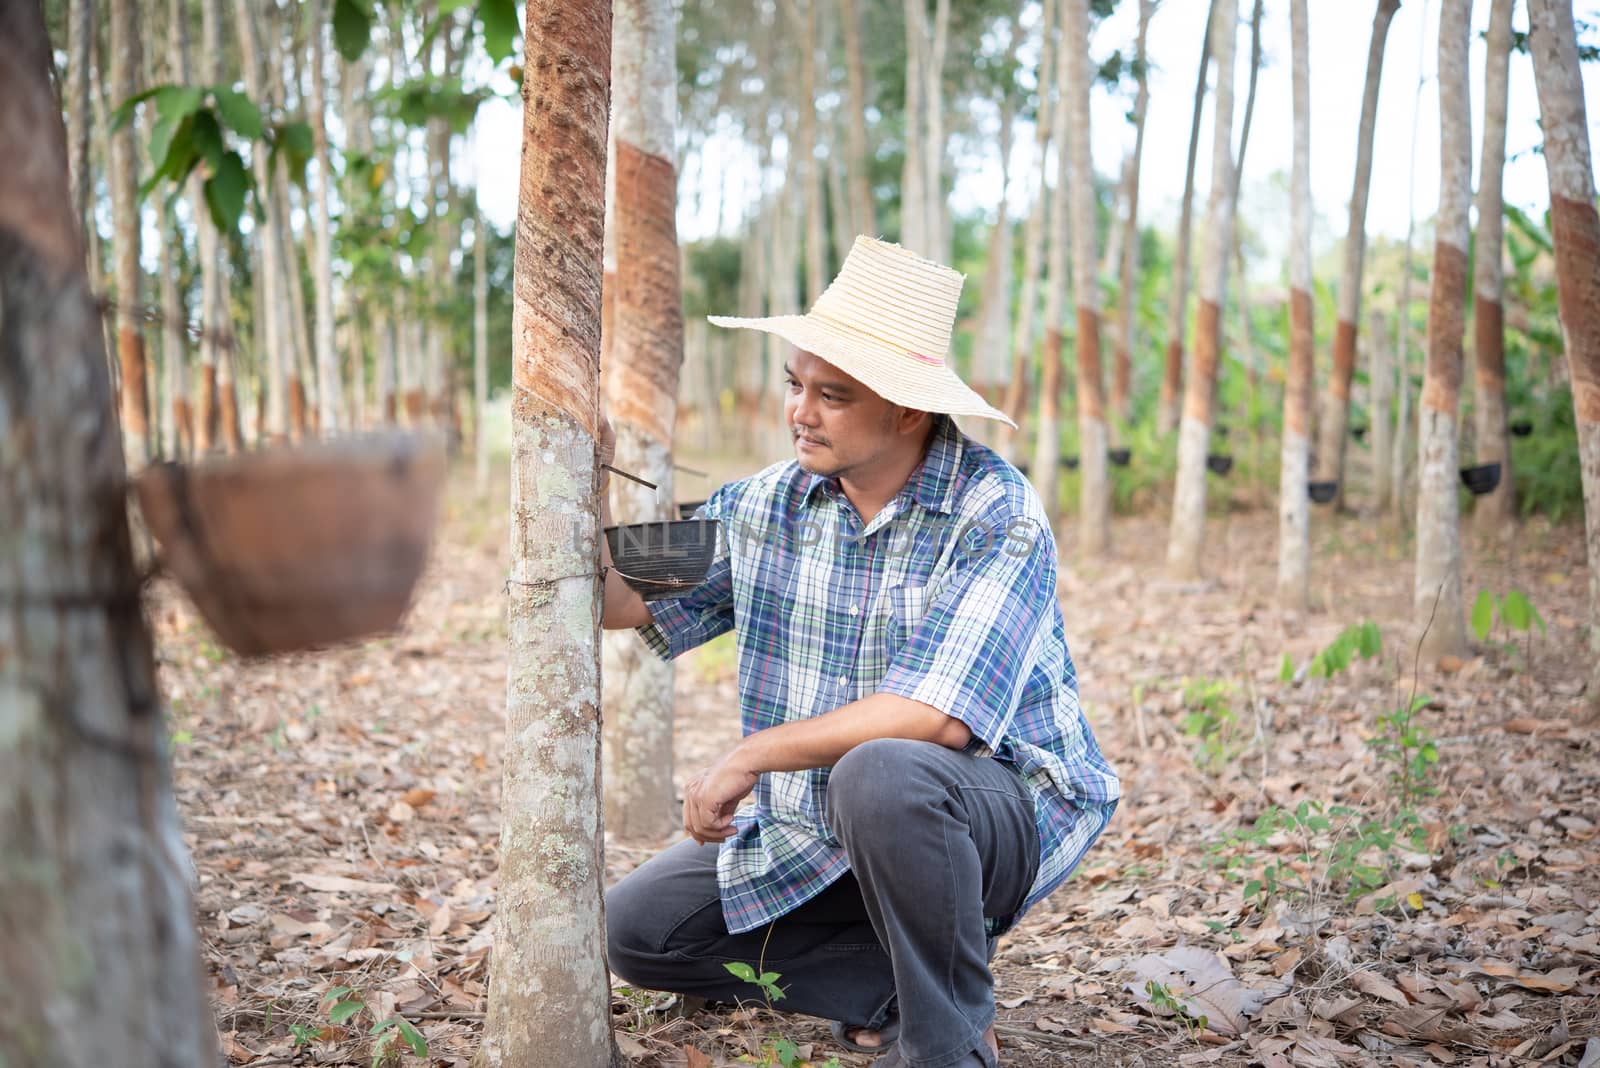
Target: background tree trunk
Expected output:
[125,215]
[102,962]
[176,417]
[938,211]
[803,17]
[1047,446]
[271,300]
[82,27]
[1437,597]
[1178,297]
[1128,296]
[1094,508]
[480,350]
[1575,228]
[913,175]
[549,994]
[1383,372]
[1398,482]
[1494,512]
[1033,233]
[863,212]
[641,397]
[1294,519]
[329,400]
[991,355]
[1331,429]
[1189,499]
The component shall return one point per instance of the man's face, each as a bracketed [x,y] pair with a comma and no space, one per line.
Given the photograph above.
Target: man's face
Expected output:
[837,424]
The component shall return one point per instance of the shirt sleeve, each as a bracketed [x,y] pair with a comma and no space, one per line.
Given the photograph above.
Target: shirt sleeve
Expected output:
[972,651]
[682,623]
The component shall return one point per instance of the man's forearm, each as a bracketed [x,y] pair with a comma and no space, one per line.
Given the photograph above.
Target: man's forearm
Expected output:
[820,741]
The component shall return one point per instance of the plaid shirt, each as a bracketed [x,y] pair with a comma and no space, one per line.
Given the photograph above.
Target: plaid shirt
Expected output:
[948,597]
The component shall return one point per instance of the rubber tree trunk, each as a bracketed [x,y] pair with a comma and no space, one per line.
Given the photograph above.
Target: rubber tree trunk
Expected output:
[1025,340]
[938,213]
[1438,604]
[1178,296]
[1494,512]
[81,29]
[549,994]
[1047,444]
[1331,429]
[913,175]
[1399,486]
[1575,229]
[125,215]
[1383,373]
[270,299]
[177,421]
[329,390]
[1128,296]
[1094,507]
[991,356]
[863,212]
[1294,519]
[641,378]
[102,963]
[1189,499]
[803,19]
[480,351]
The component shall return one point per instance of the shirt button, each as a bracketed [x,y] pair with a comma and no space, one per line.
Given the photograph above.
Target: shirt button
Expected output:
[854,610]
[843,681]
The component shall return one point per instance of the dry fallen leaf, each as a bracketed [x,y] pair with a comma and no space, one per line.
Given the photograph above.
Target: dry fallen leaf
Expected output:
[1558,981]
[1378,987]
[339,884]
[1200,981]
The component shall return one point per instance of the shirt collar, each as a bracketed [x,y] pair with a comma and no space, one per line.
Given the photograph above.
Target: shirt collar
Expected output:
[932,484]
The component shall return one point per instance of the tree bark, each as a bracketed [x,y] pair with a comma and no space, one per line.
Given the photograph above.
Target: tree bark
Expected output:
[1294,519]
[1033,233]
[1094,509]
[1178,297]
[480,351]
[102,963]
[1047,448]
[1122,377]
[991,356]
[938,213]
[1438,602]
[329,399]
[641,397]
[549,995]
[1575,229]
[1383,373]
[81,30]
[863,212]
[913,173]
[176,417]
[1398,483]
[1332,428]
[1493,513]
[270,298]
[1189,499]
[803,19]
[124,156]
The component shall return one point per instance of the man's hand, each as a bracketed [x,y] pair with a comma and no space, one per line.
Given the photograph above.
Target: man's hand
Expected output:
[711,798]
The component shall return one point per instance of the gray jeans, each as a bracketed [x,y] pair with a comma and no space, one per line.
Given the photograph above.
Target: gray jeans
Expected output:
[937,841]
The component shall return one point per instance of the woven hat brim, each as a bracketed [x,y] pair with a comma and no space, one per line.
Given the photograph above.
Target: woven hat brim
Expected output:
[888,372]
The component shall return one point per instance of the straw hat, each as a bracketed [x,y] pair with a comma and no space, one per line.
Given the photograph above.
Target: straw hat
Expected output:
[886,321]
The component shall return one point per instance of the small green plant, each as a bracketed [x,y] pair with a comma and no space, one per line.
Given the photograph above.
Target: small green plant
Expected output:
[344,1004]
[1409,751]
[766,982]
[1515,613]
[1210,720]
[1357,640]
[1161,998]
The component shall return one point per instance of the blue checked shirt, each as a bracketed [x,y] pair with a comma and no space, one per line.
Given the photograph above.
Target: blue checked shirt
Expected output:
[948,597]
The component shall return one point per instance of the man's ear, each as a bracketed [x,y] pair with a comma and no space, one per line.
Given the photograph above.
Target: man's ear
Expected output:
[910,420]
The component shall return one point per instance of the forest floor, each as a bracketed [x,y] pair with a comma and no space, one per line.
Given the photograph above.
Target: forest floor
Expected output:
[1261,872]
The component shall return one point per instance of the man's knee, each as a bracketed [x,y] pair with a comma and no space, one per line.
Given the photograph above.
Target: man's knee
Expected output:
[876,780]
[629,953]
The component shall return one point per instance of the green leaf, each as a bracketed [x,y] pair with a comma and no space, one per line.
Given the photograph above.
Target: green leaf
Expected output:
[1517,610]
[225,191]
[352,27]
[207,137]
[742,970]
[1370,640]
[1286,670]
[238,112]
[1252,888]
[500,27]
[1483,614]
[345,1009]
[124,111]
[175,102]
[412,1036]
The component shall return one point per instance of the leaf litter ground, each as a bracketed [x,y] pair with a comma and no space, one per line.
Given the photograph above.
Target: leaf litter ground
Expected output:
[342,813]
